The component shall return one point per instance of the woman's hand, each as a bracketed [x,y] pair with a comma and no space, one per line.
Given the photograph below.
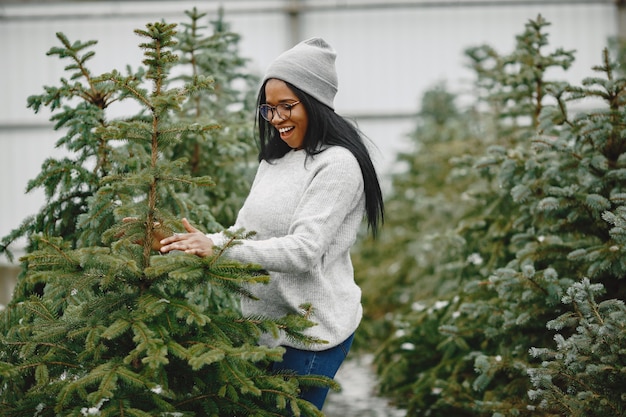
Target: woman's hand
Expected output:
[193,242]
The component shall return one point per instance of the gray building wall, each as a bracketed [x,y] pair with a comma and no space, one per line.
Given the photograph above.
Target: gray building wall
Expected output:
[389,53]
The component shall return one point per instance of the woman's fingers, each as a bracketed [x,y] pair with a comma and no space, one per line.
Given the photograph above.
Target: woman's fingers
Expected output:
[174,242]
[188,227]
[195,243]
[171,239]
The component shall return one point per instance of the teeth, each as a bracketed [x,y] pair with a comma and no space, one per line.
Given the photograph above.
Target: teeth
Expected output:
[285,129]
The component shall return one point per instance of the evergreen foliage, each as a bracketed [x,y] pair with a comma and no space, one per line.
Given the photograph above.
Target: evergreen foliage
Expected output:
[114,328]
[530,244]
[227,154]
[80,106]
[584,374]
[425,194]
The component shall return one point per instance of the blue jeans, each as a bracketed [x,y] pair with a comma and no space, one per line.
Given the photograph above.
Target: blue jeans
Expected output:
[306,362]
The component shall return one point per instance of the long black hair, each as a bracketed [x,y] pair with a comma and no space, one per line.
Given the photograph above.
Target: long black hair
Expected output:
[325,127]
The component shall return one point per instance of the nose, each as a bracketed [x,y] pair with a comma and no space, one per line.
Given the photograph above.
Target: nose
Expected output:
[275,116]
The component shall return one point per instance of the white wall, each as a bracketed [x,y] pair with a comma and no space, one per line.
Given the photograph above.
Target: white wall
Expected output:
[387,57]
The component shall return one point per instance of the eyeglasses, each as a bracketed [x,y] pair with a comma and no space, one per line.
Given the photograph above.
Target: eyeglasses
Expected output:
[283,110]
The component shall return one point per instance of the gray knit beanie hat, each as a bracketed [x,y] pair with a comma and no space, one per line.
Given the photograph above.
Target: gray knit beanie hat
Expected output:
[310,66]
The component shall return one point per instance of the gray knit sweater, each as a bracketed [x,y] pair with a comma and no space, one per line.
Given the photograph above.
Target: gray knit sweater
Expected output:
[306,213]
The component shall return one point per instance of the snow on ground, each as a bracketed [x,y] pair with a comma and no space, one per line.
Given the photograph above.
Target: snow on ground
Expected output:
[358,396]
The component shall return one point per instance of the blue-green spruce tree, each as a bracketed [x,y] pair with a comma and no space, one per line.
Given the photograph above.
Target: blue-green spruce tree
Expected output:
[535,325]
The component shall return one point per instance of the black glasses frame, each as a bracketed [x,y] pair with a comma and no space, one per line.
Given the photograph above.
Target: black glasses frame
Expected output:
[283,110]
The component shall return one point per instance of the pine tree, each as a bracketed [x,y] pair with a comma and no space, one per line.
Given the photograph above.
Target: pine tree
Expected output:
[545,216]
[423,203]
[585,373]
[80,105]
[116,328]
[226,154]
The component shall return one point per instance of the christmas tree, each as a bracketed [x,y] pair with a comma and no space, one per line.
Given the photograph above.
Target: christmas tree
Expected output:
[101,323]
[80,106]
[424,201]
[584,374]
[536,252]
[228,154]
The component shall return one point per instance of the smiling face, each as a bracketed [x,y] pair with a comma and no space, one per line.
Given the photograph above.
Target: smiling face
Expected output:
[293,129]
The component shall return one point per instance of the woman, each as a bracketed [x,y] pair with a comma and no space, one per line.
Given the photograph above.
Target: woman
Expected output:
[314,184]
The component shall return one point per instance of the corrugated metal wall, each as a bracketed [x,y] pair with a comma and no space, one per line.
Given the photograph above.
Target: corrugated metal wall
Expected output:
[389,52]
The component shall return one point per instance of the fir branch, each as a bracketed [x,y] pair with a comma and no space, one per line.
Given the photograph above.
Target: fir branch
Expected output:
[129,85]
[45,344]
[60,252]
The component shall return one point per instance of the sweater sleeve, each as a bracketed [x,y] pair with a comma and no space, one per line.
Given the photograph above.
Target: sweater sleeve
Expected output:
[220,238]
[332,197]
